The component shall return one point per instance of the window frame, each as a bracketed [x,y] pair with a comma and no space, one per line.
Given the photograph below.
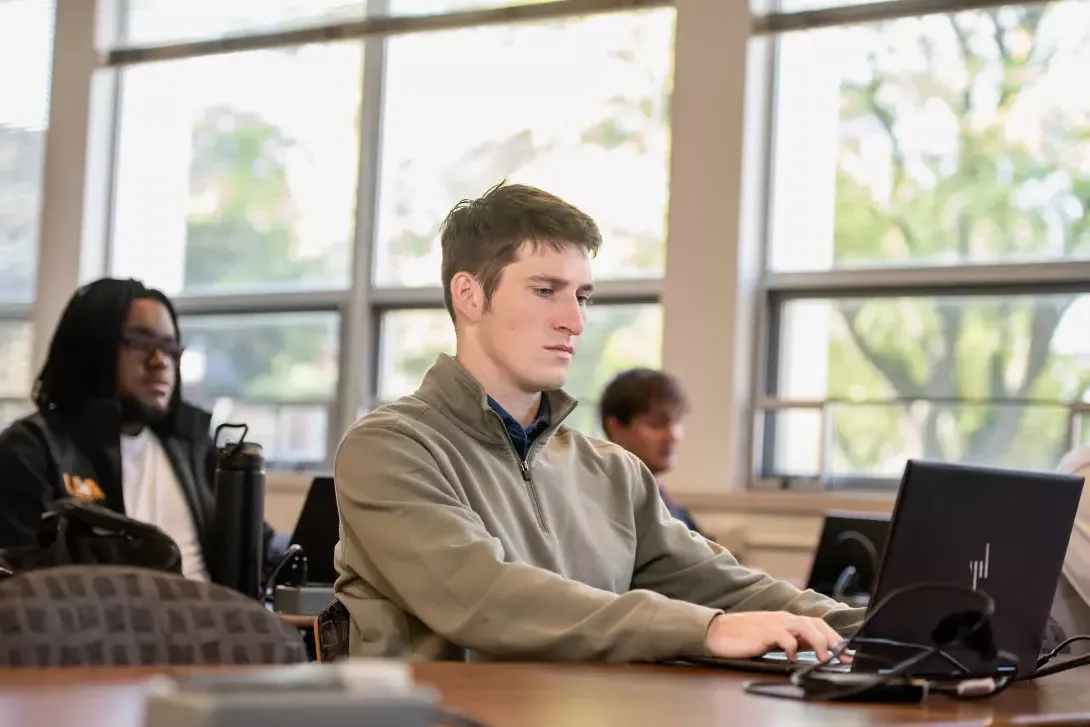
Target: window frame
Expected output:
[775,289]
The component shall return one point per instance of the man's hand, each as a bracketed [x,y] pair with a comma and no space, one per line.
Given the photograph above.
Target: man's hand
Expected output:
[747,635]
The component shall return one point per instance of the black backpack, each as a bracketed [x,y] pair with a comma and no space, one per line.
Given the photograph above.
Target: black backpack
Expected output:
[80,533]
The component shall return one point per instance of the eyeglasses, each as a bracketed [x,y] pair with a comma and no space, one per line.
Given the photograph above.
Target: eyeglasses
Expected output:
[149,345]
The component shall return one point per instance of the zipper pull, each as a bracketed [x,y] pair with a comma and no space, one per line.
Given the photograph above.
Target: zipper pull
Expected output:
[525,470]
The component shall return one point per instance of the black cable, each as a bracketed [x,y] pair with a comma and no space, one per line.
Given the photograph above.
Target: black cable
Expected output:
[854,536]
[852,572]
[985,618]
[293,555]
[875,641]
[800,678]
[965,634]
[1056,652]
[843,581]
[1065,665]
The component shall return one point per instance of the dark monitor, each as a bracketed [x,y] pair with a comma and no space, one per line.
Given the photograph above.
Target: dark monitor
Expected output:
[318,530]
[848,554]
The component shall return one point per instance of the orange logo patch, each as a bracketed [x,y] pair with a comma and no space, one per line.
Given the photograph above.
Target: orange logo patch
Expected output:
[84,490]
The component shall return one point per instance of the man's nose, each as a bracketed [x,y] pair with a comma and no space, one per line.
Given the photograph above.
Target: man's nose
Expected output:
[573,317]
[157,359]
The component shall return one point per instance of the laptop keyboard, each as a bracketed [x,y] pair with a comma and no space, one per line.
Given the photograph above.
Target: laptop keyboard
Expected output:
[804,658]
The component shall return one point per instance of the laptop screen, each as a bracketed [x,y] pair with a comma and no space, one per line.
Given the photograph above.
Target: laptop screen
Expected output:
[1002,532]
[318,530]
[848,554]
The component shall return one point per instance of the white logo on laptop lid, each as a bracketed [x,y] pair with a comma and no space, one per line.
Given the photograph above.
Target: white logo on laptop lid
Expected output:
[979,568]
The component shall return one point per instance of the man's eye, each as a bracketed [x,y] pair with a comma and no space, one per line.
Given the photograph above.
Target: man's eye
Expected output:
[584,300]
[543,292]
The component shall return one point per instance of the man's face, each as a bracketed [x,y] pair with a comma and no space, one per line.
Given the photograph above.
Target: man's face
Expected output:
[652,436]
[147,364]
[537,312]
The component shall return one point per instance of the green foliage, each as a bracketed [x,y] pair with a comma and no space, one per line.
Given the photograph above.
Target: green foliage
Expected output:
[980,202]
[241,235]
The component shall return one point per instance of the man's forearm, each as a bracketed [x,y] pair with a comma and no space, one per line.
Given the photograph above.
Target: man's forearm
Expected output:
[517,611]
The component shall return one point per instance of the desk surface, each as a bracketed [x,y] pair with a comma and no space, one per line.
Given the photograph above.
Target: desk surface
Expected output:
[566,695]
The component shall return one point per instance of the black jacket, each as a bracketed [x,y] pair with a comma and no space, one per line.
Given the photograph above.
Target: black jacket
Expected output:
[45,456]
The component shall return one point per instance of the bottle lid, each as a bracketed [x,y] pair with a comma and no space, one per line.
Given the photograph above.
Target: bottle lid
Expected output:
[241,456]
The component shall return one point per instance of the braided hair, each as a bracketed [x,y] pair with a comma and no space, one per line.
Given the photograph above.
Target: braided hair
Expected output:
[82,360]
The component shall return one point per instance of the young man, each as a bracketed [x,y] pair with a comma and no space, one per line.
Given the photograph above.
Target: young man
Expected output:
[641,410]
[474,524]
[111,427]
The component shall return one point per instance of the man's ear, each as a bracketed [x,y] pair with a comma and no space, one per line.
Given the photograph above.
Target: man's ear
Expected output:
[467,297]
[612,425]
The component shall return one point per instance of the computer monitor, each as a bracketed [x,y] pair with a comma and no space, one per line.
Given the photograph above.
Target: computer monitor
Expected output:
[318,530]
[848,555]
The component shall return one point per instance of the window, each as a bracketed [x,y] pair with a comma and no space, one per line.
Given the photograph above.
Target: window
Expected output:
[26,44]
[410,342]
[929,173]
[616,337]
[937,140]
[237,173]
[980,379]
[584,114]
[1081,428]
[275,372]
[15,374]
[236,190]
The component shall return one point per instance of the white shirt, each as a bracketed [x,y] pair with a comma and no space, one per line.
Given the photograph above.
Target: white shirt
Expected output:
[153,495]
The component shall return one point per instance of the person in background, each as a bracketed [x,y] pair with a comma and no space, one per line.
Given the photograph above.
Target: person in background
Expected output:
[1071,607]
[641,410]
[111,427]
[475,524]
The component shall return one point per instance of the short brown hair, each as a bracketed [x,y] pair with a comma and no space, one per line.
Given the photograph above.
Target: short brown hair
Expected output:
[483,236]
[636,392]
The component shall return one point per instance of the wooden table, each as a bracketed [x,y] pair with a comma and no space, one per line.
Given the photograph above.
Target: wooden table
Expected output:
[299,620]
[567,695]
[536,695]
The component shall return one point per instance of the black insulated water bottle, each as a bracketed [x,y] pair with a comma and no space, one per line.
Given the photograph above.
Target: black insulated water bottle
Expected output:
[237,542]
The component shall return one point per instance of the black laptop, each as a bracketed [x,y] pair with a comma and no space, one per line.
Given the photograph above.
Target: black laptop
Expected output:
[1001,531]
[318,530]
[848,556]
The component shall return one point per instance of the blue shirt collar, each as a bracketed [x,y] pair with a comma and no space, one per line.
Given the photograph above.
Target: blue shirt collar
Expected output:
[522,437]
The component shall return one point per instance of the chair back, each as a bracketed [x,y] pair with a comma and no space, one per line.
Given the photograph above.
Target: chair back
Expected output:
[104,615]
